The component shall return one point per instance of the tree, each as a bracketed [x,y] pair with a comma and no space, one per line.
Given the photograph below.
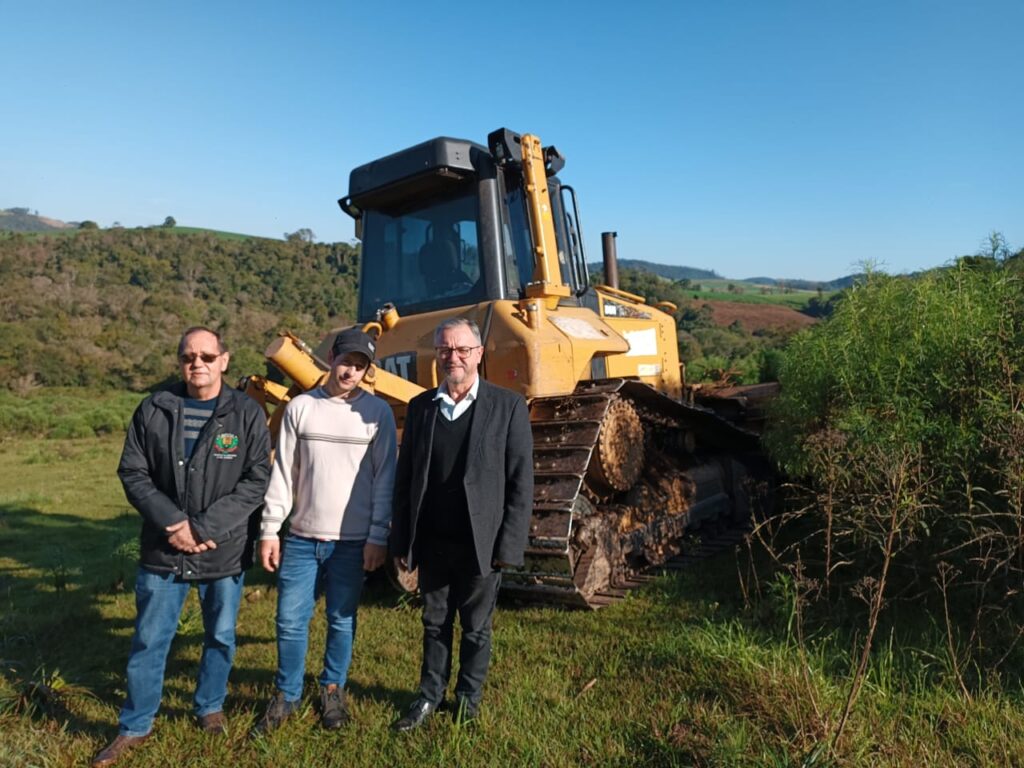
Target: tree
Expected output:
[304,235]
[995,247]
[87,224]
[169,222]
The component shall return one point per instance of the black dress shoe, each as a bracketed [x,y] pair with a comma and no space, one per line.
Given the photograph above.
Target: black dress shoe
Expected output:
[418,713]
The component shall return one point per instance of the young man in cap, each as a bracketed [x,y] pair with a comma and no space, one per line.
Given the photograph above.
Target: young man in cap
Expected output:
[333,477]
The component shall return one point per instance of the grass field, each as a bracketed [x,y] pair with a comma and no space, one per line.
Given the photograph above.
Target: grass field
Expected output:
[215,232]
[719,290]
[679,674]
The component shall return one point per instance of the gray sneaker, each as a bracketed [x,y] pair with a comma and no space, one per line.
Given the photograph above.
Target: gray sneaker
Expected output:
[333,707]
[278,710]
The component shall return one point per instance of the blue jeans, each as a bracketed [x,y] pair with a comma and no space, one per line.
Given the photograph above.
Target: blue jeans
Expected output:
[304,563]
[159,598]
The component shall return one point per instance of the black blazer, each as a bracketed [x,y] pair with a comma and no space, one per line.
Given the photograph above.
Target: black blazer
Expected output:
[498,480]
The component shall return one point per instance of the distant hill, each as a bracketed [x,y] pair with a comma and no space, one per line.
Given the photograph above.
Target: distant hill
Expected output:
[21,220]
[675,272]
[806,285]
[670,271]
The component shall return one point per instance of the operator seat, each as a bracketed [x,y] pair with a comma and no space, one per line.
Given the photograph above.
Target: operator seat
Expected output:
[439,265]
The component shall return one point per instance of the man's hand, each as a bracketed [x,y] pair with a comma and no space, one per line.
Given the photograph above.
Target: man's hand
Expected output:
[183,538]
[401,564]
[270,554]
[374,556]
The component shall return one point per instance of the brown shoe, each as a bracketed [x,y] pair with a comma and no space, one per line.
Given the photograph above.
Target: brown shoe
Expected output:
[214,722]
[111,753]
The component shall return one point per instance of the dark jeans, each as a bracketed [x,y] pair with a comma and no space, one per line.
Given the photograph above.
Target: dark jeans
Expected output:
[449,585]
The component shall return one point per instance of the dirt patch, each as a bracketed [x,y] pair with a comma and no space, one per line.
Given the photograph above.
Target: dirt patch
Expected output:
[756,317]
[55,223]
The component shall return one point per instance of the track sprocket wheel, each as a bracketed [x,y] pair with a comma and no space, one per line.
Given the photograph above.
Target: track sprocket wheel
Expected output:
[618,458]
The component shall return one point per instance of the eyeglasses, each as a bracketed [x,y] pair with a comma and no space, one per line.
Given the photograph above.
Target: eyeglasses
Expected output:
[460,351]
[206,357]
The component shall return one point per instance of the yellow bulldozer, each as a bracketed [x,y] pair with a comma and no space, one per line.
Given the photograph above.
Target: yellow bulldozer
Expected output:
[625,461]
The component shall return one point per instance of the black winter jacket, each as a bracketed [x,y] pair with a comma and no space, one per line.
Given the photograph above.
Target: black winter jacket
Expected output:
[219,489]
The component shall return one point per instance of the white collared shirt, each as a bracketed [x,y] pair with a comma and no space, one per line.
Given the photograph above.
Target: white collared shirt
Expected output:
[449,408]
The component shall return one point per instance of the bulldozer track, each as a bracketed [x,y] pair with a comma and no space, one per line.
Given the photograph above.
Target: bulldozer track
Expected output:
[697,549]
[613,503]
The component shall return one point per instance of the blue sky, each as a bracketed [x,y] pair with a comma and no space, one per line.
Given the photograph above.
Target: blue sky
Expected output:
[783,139]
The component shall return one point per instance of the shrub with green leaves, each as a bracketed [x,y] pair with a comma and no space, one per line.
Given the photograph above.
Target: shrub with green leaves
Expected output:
[903,414]
[66,412]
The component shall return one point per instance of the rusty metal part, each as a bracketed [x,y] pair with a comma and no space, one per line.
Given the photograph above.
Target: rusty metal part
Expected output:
[746,405]
[619,454]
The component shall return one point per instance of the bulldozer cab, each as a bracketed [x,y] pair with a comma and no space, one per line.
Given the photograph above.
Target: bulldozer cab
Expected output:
[444,227]
[422,259]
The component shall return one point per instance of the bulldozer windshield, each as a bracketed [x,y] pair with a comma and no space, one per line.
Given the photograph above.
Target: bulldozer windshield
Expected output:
[422,259]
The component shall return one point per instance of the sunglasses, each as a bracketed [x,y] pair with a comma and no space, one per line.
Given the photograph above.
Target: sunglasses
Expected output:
[206,357]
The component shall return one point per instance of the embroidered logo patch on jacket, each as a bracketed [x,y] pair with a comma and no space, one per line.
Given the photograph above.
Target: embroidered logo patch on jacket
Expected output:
[225,446]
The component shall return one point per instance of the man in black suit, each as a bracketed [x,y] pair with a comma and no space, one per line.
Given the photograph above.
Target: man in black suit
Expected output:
[462,505]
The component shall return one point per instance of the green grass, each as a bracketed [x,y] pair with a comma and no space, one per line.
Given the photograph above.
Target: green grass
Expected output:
[718,290]
[678,674]
[796,301]
[214,232]
[46,233]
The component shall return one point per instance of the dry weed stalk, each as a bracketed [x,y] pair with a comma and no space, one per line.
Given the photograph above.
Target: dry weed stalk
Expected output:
[900,495]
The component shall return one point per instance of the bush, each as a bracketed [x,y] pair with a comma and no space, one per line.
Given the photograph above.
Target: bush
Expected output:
[66,412]
[70,427]
[903,416]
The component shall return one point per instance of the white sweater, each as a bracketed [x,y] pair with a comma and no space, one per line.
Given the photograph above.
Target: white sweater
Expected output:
[334,469]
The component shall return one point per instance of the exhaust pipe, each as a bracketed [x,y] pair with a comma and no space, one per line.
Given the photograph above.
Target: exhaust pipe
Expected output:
[611,259]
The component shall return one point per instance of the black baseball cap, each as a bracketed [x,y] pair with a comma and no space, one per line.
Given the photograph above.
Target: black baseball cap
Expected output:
[354,340]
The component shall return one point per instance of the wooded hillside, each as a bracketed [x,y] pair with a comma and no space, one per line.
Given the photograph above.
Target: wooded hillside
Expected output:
[106,307]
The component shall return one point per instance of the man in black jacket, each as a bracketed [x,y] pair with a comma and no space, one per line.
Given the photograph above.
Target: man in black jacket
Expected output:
[462,505]
[195,465]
